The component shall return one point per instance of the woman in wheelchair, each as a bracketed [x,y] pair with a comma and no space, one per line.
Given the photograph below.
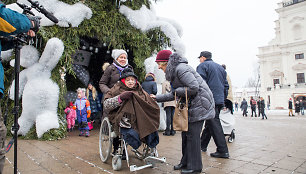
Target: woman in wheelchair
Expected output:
[132,112]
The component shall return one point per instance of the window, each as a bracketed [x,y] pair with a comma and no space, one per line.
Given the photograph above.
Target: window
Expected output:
[300,78]
[299,56]
[275,81]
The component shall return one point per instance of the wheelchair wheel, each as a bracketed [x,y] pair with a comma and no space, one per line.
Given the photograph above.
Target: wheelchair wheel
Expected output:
[232,136]
[230,139]
[105,140]
[116,162]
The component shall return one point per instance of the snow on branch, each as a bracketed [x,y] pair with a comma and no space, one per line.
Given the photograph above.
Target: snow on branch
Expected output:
[65,13]
[145,19]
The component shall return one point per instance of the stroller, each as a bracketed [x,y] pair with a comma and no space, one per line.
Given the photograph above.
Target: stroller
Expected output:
[227,122]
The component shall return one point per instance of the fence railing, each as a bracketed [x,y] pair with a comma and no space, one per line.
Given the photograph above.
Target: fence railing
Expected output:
[286,4]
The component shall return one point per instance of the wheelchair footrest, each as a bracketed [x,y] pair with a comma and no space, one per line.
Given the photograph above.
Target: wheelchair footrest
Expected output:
[150,160]
[153,160]
[134,168]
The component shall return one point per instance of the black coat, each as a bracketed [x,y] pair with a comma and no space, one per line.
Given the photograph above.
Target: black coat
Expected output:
[149,85]
[290,105]
[262,105]
[297,107]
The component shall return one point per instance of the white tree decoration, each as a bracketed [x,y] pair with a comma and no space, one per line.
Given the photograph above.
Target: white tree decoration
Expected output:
[66,14]
[151,67]
[145,19]
[39,92]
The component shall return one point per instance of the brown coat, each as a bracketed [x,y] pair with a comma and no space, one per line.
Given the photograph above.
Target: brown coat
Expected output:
[142,109]
[110,76]
[230,92]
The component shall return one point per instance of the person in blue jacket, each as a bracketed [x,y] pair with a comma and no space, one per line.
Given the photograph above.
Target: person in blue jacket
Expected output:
[215,77]
[11,23]
[149,85]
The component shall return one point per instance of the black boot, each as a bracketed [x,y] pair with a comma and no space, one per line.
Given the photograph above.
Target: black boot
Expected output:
[180,166]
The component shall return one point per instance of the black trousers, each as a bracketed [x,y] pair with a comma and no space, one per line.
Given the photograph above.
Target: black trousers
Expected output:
[253,110]
[169,118]
[191,146]
[214,129]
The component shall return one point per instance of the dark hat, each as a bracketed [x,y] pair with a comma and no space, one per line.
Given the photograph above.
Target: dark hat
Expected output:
[127,72]
[90,82]
[224,66]
[206,54]
[163,56]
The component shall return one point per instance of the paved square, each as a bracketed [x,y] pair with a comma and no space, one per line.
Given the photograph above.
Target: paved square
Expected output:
[276,145]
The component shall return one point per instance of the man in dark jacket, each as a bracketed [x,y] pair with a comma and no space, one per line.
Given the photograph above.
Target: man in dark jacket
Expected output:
[262,108]
[11,23]
[290,107]
[253,106]
[215,77]
[149,85]
[244,107]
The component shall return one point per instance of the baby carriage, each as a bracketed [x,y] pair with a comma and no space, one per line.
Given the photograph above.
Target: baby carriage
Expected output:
[106,137]
[227,122]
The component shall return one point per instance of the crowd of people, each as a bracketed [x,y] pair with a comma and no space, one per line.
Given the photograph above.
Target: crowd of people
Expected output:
[259,104]
[298,105]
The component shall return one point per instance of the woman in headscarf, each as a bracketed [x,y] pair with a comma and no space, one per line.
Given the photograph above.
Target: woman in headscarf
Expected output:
[201,105]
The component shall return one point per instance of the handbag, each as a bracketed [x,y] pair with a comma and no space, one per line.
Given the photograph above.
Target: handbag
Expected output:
[180,117]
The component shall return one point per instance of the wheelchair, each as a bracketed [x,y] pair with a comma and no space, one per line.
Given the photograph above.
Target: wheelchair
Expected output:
[106,137]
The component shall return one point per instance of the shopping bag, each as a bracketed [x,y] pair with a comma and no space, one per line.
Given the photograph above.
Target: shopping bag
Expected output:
[180,117]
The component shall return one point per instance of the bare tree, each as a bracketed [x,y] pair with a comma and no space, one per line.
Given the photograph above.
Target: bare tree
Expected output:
[254,81]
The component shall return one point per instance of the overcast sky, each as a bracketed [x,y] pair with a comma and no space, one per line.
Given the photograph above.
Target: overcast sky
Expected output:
[231,29]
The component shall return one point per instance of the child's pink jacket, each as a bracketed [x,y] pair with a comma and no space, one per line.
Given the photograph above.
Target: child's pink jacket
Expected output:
[71,114]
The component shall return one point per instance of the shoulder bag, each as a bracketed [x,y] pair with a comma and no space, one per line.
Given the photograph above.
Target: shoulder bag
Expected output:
[180,117]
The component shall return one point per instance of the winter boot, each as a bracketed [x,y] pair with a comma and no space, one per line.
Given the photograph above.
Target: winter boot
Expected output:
[90,125]
[87,133]
[82,133]
[172,132]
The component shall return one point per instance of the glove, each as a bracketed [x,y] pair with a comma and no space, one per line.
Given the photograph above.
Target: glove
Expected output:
[35,21]
[126,95]
[68,111]
[88,113]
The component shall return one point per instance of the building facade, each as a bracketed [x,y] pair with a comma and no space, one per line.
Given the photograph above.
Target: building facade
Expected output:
[245,93]
[282,61]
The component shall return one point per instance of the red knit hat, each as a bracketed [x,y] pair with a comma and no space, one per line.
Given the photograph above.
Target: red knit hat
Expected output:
[163,56]
[70,104]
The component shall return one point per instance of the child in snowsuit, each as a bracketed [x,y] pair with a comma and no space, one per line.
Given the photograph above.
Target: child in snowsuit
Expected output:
[83,112]
[70,116]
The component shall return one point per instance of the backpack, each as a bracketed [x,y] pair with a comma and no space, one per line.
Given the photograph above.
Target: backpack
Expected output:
[253,102]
